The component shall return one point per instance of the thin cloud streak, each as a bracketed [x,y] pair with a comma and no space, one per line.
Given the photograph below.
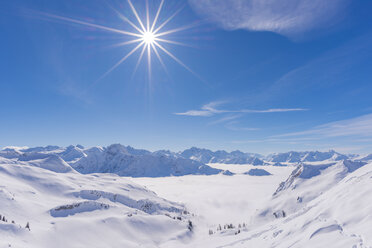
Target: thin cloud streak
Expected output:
[331,68]
[225,119]
[357,132]
[211,109]
[286,17]
[359,127]
[234,126]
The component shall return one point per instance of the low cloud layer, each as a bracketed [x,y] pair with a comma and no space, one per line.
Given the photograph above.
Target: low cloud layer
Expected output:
[285,17]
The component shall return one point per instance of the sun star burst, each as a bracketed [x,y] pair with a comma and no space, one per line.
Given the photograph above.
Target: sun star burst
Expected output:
[149,37]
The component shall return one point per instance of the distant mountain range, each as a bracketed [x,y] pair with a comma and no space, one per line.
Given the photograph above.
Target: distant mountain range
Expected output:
[235,157]
[128,161]
[311,156]
[117,159]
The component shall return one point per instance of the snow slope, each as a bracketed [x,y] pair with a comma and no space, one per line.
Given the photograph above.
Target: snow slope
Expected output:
[306,183]
[74,210]
[218,199]
[366,158]
[46,161]
[310,209]
[325,203]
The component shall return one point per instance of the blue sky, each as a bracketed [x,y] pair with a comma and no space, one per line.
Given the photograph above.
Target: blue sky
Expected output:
[267,77]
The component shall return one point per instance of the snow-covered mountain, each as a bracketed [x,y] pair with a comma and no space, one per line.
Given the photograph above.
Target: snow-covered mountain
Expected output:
[41,149]
[238,157]
[50,162]
[366,158]
[208,156]
[42,208]
[72,155]
[257,172]
[317,206]
[198,154]
[46,202]
[310,156]
[10,153]
[117,159]
[122,161]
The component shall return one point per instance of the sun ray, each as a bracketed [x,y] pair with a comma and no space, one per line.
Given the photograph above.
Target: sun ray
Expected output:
[159,58]
[114,30]
[168,20]
[157,16]
[147,17]
[137,16]
[127,43]
[176,59]
[149,60]
[176,30]
[124,18]
[122,60]
[171,42]
[139,60]
[172,56]
[148,38]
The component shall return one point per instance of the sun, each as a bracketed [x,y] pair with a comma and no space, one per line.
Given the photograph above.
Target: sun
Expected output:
[148,38]
[148,35]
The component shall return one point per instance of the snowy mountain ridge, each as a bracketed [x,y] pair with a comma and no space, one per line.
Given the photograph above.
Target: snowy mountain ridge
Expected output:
[117,159]
[202,155]
[44,199]
[317,206]
[128,161]
[40,208]
[307,156]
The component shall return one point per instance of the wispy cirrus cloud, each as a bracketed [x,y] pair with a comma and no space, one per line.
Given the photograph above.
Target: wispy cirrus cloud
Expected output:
[228,118]
[235,126]
[334,68]
[358,127]
[206,110]
[212,109]
[285,17]
[347,135]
